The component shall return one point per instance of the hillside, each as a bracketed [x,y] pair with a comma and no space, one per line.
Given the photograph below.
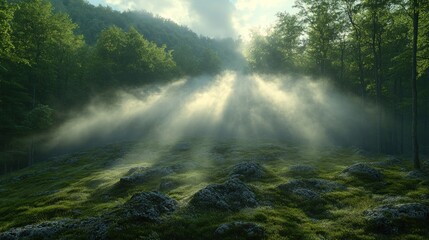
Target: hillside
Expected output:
[190,50]
[216,190]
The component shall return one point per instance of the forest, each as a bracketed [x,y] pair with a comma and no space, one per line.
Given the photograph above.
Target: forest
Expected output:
[299,132]
[55,56]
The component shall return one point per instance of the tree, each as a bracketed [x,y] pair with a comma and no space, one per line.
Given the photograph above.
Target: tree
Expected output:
[423,39]
[39,119]
[189,49]
[415,9]
[370,26]
[374,7]
[39,51]
[286,35]
[264,55]
[210,62]
[6,46]
[397,48]
[128,58]
[352,8]
[12,93]
[322,19]
[42,39]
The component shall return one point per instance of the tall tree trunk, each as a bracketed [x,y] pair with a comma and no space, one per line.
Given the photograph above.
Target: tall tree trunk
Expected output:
[31,147]
[343,48]
[358,34]
[381,132]
[414,86]
[402,134]
[31,152]
[32,79]
[396,110]
[361,77]
[401,111]
[374,46]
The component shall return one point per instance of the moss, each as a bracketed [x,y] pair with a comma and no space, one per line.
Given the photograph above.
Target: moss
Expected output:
[86,184]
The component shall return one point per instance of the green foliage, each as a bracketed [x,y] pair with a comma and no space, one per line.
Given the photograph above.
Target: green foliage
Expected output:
[324,23]
[210,62]
[47,44]
[6,46]
[423,41]
[334,39]
[40,118]
[189,49]
[286,35]
[40,53]
[128,57]
[37,32]
[264,56]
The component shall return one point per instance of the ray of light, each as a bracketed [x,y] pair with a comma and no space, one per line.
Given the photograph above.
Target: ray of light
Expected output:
[227,106]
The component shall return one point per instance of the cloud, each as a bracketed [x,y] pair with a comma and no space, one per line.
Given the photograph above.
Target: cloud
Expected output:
[255,15]
[213,18]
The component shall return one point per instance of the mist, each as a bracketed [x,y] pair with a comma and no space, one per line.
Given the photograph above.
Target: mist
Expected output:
[296,110]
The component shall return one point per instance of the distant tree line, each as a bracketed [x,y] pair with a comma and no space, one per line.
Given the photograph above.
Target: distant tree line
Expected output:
[193,54]
[55,55]
[365,47]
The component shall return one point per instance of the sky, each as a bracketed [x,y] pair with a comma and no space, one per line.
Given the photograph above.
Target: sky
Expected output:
[213,18]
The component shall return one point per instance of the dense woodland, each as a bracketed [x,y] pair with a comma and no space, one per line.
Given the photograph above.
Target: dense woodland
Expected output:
[366,48]
[55,55]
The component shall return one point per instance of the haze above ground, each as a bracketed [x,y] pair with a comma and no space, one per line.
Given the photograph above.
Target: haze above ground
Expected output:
[212,18]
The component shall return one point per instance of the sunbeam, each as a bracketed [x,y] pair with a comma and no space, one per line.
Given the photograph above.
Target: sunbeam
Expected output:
[227,106]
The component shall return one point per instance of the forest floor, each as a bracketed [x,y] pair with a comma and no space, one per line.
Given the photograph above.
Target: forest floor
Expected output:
[216,190]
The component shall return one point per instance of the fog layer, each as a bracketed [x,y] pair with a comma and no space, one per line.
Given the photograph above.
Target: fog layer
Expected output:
[227,106]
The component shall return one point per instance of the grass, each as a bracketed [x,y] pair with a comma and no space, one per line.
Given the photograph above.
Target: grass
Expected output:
[86,184]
